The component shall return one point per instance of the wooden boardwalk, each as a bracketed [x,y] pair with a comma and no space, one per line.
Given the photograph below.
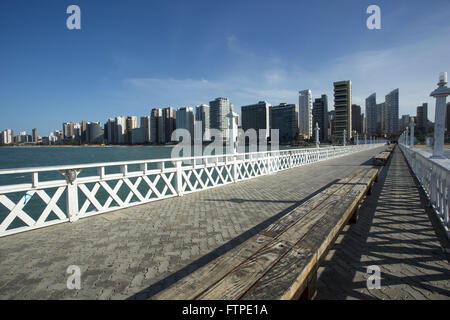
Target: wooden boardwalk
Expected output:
[397,233]
[137,252]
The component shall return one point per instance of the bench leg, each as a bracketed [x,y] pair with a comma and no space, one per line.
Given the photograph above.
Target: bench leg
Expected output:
[310,291]
[369,190]
[354,217]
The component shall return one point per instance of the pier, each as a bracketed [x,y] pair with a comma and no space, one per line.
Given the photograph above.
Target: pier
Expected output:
[139,251]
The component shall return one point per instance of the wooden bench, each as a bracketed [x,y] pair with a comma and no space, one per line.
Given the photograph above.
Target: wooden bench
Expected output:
[281,261]
[390,148]
[381,158]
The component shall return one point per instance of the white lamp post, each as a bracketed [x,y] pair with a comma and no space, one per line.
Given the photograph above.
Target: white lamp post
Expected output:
[440,94]
[343,135]
[317,134]
[233,131]
[411,125]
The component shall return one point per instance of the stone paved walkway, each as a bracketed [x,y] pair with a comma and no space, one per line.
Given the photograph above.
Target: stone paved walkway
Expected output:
[136,252]
[394,232]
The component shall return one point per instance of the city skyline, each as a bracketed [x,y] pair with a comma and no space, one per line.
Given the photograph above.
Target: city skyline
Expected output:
[100,70]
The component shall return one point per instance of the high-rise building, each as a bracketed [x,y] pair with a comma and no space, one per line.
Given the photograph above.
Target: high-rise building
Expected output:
[392,106]
[357,119]
[185,120]
[305,113]
[371,114]
[219,109]
[404,121]
[320,116]
[202,113]
[331,115]
[169,120]
[422,118]
[342,108]
[121,130]
[257,116]
[363,123]
[84,136]
[35,137]
[131,124]
[380,109]
[7,136]
[110,131]
[96,133]
[157,126]
[284,117]
[146,125]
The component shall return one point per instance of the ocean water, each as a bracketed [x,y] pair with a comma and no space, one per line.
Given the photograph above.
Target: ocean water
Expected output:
[26,157]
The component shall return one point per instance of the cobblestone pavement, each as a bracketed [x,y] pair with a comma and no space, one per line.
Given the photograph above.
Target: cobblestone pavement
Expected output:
[136,252]
[395,232]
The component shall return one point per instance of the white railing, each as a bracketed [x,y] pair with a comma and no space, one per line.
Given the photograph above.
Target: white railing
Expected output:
[434,177]
[57,194]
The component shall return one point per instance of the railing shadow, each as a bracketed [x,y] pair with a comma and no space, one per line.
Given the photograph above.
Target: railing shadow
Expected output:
[197,264]
[385,247]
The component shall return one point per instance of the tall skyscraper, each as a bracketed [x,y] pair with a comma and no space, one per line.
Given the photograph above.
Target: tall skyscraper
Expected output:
[169,120]
[110,131]
[256,116]
[380,109]
[404,121]
[320,116]
[219,108]
[96,133]
[202,113]
[146,125]
[284,117]
[422,118]
[35,137]
[84,136]
[131,124]
[121,130]
[7,136]
[305,113]
[157,125]
[371,114]
[392,106]
[185,120]
[342,108]
[357,118]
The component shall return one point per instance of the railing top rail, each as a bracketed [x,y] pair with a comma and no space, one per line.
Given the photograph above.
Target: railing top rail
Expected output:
[146,161]
[442,163]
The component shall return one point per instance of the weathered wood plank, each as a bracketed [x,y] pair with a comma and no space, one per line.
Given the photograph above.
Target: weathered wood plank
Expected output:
[298,213]
[286,279]
[238,281]
[232,274]
[323,233]
[194,284]
[302,227]
[296,231]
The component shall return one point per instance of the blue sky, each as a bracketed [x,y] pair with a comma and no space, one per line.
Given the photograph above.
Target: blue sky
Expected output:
[131,56]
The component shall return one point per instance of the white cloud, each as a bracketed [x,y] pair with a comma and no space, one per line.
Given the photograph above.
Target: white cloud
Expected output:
[412,67]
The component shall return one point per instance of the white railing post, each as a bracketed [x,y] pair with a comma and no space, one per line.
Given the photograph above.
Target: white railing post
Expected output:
[35,179]
[235,169]
[179,178]
[72,193]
